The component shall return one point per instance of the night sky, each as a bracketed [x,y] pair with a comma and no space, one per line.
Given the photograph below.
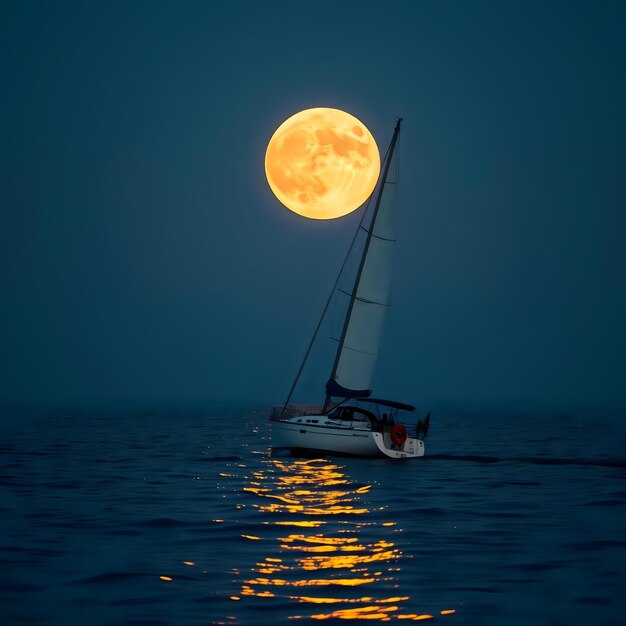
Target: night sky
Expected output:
[145,261]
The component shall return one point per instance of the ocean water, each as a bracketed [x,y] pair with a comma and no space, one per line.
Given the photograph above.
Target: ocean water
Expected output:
[186,518]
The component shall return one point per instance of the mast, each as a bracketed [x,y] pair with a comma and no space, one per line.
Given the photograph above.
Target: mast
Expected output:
[353,295]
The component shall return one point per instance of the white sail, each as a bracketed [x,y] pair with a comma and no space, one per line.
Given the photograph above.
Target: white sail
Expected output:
[358,354]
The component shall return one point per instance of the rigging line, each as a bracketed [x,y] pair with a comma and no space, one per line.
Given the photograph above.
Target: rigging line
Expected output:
[332,292]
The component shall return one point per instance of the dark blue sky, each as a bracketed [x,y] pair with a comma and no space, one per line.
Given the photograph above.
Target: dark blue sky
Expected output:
[145,260]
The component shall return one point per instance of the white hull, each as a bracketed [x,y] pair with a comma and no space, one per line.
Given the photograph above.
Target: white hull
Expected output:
[296,433]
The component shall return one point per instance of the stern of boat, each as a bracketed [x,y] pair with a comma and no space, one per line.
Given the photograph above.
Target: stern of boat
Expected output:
[411,448]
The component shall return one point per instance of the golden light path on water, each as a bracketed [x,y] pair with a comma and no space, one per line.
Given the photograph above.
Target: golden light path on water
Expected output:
[326,555]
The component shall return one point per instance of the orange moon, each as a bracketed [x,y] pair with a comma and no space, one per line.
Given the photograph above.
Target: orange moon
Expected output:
[322,163]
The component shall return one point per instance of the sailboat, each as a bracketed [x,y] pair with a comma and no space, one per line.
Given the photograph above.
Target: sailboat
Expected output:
[350,421]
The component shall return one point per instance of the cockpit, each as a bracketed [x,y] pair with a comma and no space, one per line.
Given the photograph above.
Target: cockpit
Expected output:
[353,414]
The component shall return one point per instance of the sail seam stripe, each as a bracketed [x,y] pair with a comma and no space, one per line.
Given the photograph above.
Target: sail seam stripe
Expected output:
[378,236]
[364,300]
[371,302]
[361,351]
[353,349]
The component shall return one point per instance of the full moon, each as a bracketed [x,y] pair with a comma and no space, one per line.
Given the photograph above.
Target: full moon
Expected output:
[322,163]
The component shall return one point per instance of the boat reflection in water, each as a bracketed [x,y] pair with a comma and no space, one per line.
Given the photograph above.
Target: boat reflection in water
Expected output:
[324,551]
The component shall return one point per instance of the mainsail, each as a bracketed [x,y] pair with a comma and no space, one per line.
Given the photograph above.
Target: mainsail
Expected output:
[357,352]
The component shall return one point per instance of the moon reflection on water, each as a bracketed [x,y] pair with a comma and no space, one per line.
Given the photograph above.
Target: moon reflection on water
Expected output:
[325,554]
